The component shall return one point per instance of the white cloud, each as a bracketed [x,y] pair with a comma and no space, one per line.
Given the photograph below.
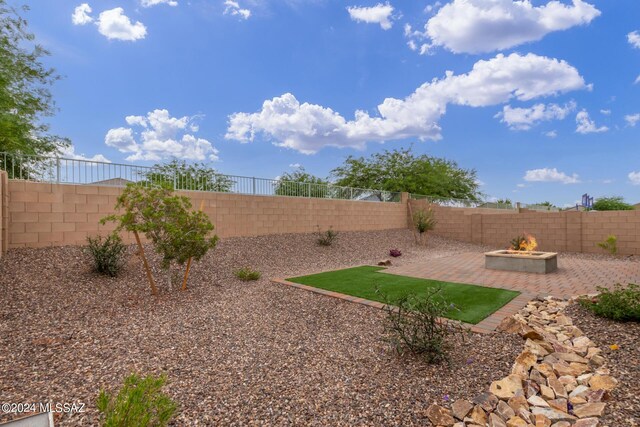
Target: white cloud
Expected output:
[475,26]
[607,181]
[637,80]
[81,15]
[378,14]
[585,125]
[233,8]
[70,153]
[551,134]
[308,127]
[632,119]
[114,24]
[634,39]
[605,112]
[521,185]
[161,137]
[550,175]
[634,178]
[525,118]
[295,165]
[431,7]
[150,3]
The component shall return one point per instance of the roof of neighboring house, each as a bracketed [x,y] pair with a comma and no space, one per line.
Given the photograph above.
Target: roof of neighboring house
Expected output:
[116,182]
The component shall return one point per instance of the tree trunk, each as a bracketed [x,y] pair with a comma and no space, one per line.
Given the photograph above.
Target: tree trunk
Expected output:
[152,283]
[186,275]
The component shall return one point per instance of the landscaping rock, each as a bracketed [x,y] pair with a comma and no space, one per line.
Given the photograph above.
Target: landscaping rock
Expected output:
[603,382]
[518,402]
[542,421]
[440,416]
[589,410]
[461,408]
[477,415]
[507,387]
[516,422]
[504,410]
[488,401]
[559,404]
[553,414]
[587,422]
[496,421]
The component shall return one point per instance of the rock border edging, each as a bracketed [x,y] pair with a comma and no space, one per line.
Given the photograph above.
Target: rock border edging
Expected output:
[558,380]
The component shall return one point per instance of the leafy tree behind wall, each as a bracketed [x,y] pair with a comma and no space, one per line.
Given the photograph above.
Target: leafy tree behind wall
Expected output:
[25,97]
[615,203]
[301,183]
[179,175]
[401,170]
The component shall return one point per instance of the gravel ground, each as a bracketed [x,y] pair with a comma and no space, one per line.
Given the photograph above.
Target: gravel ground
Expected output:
[624,409]
[235,353]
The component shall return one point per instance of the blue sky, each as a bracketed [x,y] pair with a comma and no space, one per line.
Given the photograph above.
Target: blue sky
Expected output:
[539,97]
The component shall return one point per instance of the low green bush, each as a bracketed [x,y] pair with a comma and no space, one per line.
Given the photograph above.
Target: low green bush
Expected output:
[247,274]
[621,303]
[609,244]
[326,238]
[107,253]
[415,324]
[140,402]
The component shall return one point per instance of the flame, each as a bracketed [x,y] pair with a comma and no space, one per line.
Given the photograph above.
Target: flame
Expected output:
[529,244]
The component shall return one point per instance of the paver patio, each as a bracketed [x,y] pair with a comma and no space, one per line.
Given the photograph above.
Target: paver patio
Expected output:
[573,277]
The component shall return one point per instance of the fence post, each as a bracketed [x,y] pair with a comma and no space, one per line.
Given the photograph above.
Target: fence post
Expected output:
[309,185]
[254,185]
[57,170]
[351,196]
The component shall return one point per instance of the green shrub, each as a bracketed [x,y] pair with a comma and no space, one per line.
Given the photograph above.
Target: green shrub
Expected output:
[247,274]
[414,323]
[108,253]
[177,233]
[615,203]
[609,244]
[140,402]
[326,238]
[621,303]
[424,221]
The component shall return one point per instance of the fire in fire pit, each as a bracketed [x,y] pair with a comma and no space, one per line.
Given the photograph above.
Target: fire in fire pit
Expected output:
[522,256]
[526,243]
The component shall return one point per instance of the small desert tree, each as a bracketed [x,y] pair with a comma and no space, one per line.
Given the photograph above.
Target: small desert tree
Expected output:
[423,222]
[177,233]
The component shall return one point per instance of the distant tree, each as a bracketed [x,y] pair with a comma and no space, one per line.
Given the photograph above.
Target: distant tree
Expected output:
[401,170]
[301,183]
[506,202]
[179,175]
[25,97]
[546,204]
[614,203]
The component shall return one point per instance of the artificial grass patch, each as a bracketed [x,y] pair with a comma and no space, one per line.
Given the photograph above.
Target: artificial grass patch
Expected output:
[472,303]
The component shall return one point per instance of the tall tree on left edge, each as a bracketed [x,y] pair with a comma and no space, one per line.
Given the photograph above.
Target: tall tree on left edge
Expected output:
[25,96]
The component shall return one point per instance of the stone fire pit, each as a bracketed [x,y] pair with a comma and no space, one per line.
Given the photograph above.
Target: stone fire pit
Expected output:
[523,261]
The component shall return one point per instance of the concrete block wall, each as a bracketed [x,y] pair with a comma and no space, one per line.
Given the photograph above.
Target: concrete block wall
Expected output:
[58,214]
[570,231]
[4,213]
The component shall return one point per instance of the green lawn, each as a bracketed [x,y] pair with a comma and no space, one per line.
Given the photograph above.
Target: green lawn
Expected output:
[473,303]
